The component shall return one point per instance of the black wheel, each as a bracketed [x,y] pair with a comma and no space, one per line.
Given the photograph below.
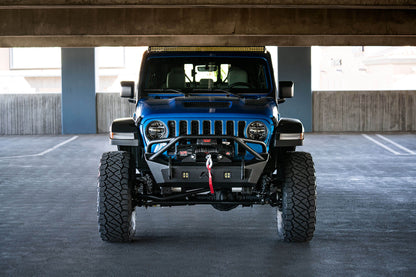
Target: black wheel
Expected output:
[116,216]
[296,216]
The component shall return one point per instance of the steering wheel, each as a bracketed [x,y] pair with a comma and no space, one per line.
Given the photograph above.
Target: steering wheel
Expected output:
[240,84]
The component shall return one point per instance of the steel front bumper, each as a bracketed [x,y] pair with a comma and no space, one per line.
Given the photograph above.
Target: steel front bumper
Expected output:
[238,172]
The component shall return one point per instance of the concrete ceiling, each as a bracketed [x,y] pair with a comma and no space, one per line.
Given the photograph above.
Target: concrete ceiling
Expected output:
[83,23]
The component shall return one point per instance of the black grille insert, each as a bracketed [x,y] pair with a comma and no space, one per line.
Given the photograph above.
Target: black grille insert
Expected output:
[218,127]
[194,127]
[230,128]
[241,126]
[172,129]
[206,127]
[183,127]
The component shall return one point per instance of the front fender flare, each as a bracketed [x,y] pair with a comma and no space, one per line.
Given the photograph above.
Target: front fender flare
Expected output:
[124,132]
[288,132]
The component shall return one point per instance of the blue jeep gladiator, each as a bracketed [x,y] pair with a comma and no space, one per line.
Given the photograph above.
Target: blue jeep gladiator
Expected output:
[206,130]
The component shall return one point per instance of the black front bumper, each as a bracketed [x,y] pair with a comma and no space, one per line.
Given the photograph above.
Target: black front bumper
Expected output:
[235,173]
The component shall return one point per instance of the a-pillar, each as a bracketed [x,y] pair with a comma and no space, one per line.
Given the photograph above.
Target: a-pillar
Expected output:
[78,91]
[295,65]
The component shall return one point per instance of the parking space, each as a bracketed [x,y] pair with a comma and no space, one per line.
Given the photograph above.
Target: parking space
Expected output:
[366,216]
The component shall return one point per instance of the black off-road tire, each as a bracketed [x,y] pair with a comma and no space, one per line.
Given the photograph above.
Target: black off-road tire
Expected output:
[297,215]
[116,216]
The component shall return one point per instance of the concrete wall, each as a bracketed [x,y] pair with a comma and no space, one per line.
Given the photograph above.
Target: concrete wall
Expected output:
[109,107]
[30,114]
[350,111]
[40,114]
[364,111]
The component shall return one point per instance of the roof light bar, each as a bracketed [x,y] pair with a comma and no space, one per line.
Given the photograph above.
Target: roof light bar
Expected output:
[206,49]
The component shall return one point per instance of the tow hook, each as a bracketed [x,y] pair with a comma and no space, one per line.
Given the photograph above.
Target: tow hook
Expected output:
[209,166]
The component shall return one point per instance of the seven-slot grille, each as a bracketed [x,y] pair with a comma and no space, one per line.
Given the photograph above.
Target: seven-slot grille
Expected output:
[206,127]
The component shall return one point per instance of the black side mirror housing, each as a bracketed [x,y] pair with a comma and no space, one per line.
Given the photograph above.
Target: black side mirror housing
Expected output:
[286,89]
[127,89]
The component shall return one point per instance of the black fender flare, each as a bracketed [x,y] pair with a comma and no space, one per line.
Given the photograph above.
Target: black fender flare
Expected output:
[124,132]
[288,132]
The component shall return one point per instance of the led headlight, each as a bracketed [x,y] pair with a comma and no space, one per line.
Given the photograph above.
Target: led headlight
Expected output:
[257,130]
[156,130]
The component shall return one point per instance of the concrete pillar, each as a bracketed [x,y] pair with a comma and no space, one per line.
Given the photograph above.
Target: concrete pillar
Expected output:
[78,91]
[295,65]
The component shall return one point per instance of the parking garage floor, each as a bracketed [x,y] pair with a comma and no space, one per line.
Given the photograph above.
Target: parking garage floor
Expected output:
[366,216]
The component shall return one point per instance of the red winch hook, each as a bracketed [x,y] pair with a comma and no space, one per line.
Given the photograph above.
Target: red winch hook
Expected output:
[209,166]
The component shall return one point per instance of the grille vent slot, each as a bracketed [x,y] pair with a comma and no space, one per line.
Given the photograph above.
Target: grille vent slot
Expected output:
[172,128]
[194,127]
[206,127]
[183,127]
[230,128]
[218,127]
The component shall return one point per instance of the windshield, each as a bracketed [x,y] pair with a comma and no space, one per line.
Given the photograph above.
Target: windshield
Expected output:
[207,74]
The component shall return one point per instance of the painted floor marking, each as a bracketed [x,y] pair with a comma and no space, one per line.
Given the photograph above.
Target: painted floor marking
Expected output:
[388,148]
[382,145]
[44,152]
[397,145]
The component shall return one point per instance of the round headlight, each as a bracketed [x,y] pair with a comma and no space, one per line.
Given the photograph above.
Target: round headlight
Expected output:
[257,130]
[156,130]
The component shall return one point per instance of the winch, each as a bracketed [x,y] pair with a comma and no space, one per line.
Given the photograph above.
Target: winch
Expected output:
[221,151]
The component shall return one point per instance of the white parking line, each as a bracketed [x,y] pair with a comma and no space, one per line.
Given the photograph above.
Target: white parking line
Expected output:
[410,152]
[397,145]
[382,145]
[44,152]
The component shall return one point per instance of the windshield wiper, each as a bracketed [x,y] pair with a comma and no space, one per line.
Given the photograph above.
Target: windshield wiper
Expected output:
[176,91]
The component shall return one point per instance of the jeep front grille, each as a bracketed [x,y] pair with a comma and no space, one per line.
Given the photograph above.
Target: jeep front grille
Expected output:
[207,127]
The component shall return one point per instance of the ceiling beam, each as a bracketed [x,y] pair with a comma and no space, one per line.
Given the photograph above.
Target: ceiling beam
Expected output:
[73,27]
[389,4]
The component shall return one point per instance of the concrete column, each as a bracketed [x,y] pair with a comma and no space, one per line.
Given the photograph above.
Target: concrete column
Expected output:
[295,65]
[78,91]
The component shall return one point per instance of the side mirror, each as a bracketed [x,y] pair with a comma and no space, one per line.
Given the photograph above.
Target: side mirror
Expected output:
[127,89]
[286,89]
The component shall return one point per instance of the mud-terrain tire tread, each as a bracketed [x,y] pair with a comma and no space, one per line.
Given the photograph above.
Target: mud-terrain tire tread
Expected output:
[115,208]
[299,198]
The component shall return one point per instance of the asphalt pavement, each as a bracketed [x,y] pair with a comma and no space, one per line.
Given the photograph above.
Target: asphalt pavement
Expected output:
[366,216]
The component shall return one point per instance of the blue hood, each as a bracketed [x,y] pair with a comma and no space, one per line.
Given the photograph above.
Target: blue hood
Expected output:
[206,107]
